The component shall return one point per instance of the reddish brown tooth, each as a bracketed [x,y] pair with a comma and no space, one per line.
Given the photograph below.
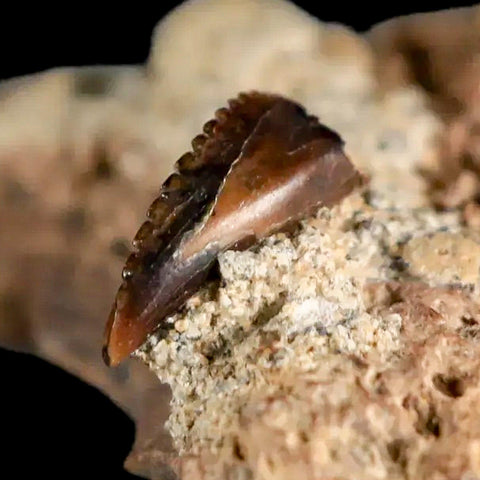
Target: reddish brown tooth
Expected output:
[198,142]
[188,162]
[209,127]
[158,211]
[144,236]
[119,334]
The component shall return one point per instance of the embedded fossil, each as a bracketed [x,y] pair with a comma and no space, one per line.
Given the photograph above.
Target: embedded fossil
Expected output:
[261,166]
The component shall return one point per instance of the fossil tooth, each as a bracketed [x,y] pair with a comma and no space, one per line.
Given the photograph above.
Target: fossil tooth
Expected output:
[262,165]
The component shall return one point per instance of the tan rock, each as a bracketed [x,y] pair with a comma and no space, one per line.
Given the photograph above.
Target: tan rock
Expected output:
[437,50]
[443,258]
[207,51]
[350,375]
[440,53]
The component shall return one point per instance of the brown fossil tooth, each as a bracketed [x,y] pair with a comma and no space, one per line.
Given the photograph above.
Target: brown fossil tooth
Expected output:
[283,174]
[262,166]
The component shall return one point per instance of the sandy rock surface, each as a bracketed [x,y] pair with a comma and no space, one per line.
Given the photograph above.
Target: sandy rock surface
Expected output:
[440,52]
[346,350]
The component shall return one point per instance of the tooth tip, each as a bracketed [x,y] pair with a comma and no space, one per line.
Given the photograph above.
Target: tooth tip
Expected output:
[112,352]
[124,333]
[110,357]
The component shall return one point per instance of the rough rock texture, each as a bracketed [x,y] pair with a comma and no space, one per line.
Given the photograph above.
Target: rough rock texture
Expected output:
[440,52]
[343,351]
[357,335]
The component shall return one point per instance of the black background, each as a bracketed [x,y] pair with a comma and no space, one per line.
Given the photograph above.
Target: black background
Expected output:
[37,38]
[61,417]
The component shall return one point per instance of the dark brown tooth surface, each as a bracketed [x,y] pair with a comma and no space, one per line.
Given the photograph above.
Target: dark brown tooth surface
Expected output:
[189,162]
[144,236]
[287,169]
[159,211]
[222,114]
[198,143]
[209,127]
[262,164]
[234,103]
[175,182]
[131,266]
